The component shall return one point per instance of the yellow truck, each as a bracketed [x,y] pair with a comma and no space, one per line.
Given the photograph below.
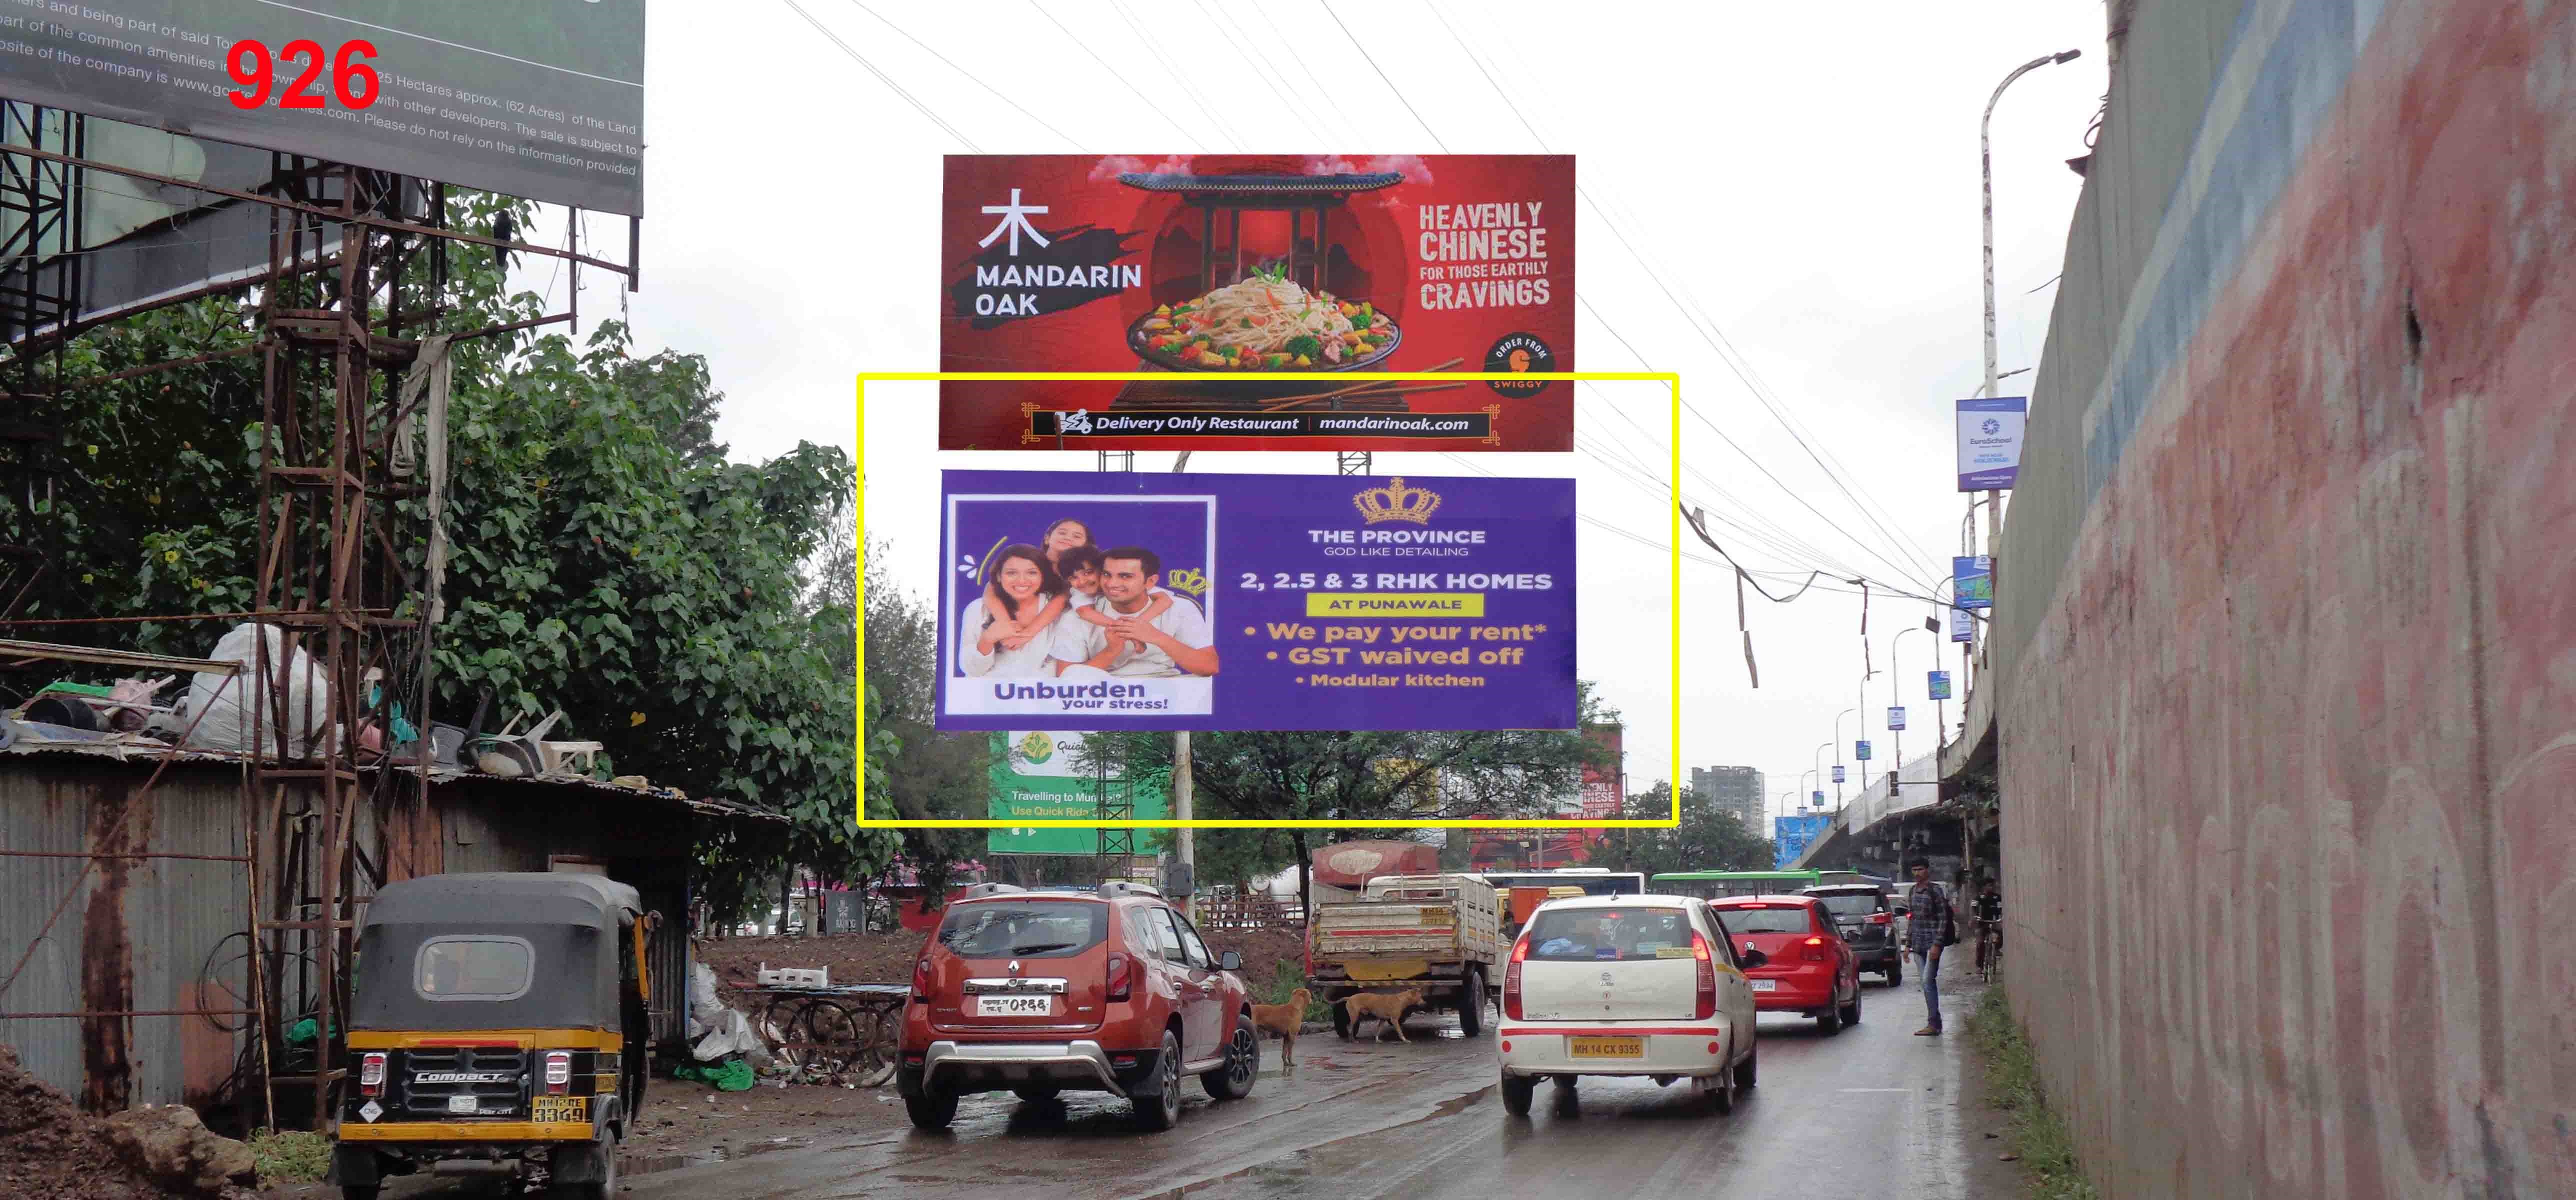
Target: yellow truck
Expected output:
[1435,933]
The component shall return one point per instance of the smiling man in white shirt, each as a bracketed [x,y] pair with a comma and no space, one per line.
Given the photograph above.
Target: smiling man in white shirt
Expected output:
[1176,642]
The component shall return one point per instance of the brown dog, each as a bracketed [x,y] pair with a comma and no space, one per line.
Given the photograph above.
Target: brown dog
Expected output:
[1389,1007]
[1283,1019]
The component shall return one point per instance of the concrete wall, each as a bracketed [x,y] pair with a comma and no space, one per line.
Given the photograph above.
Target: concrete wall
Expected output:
[2286,624]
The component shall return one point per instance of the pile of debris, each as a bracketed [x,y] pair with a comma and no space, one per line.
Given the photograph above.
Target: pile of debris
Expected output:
[50,1149]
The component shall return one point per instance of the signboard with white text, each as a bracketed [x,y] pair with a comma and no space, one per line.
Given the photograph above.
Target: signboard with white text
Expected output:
[1990,442]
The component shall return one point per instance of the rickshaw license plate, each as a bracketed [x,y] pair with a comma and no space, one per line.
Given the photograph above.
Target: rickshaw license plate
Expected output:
[463,1104]
[1606,1047]
[1014,1006]
[558,1108]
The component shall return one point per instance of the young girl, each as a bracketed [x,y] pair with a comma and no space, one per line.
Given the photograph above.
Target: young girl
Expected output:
[1067,546]
[1080,569]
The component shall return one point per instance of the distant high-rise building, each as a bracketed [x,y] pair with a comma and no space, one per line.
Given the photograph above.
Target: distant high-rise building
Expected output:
[1734,790]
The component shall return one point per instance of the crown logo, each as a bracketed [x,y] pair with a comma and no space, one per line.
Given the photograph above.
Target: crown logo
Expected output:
[1396,502]
[1188,581]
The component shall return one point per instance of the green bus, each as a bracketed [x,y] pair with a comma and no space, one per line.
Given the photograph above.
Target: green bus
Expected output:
[1714,885]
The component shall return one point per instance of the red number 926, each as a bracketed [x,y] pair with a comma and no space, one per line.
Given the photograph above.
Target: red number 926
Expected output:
[253,68]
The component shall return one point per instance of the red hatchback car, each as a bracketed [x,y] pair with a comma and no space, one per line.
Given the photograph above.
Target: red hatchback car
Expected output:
[1812,970]
[1039,992]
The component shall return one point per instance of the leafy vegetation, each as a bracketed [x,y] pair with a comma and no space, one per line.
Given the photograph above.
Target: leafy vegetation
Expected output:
[1708,839]
[300,1156]
[1349,776]
[2037,1133]
[607,557]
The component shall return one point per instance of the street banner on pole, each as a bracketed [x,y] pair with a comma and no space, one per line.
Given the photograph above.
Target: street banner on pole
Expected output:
[1121,600]
[1187,265]
[1860,750]
[1963,628]
[1972,580]
[1838,772]
[1938,685]
[1895,718]
[1990,442]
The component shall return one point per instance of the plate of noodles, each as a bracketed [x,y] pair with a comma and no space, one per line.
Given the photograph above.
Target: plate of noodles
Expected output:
[1265,322]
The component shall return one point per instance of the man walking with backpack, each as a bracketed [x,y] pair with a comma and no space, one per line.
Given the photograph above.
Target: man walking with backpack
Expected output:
[1931,925]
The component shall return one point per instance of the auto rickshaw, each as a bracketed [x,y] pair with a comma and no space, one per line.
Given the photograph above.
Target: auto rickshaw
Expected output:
[498,1027]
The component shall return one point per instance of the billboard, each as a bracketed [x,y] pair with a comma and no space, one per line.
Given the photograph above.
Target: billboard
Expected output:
[1990,442]
[1183,265]
[1601,784]
[1039,775]
[1122,600]
[1790,837]
[542,100]
[1972,581]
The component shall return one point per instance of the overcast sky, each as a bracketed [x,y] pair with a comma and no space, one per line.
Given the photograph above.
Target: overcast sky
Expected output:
[1802,178]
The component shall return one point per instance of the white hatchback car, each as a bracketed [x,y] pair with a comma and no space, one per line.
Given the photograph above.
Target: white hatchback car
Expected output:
[1626,985]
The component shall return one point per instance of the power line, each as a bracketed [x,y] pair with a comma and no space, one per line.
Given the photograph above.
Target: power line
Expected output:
[1382,76]
[1164,59]
[1104,65]
[882,77]
[970,76]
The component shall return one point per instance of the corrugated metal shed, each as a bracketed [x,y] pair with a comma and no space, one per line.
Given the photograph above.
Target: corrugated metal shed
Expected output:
[164,934]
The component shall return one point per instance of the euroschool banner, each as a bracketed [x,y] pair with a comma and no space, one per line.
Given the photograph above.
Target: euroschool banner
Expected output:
[1790,837]
[1972,580]
[1990,442]
[1183,265]
[1125,600]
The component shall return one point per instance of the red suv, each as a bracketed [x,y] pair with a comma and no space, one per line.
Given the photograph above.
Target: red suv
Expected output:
[1812,970]
[1041,992]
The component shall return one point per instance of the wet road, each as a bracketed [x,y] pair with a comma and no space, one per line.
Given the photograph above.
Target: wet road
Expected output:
[1870,1111]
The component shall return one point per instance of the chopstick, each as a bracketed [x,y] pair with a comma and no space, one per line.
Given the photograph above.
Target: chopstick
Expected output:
[1373,388]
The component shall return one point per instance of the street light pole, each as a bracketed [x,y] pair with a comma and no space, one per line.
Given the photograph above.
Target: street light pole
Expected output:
[1838,753]
[1894,678]
[1986,166]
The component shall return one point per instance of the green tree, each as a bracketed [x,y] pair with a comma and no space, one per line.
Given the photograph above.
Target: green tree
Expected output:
[1356,776]
[937,775]
[1708,839]
[606,558]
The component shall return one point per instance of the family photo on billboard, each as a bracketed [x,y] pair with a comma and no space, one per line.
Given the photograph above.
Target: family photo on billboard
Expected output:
[1107,589]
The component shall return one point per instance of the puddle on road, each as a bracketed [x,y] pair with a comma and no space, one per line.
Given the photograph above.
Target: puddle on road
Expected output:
[647,1164]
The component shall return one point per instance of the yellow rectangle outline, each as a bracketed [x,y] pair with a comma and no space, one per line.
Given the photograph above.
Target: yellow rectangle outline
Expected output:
[1475,602]
[1673,534]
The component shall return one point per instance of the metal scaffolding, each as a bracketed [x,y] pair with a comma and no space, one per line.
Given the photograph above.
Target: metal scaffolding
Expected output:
[357,278]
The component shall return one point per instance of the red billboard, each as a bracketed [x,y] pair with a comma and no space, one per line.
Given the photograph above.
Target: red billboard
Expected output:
[1190,265]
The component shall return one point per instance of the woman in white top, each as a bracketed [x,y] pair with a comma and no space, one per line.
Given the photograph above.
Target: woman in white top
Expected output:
[1011,645]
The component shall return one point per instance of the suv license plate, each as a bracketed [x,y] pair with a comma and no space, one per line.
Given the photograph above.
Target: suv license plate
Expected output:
[1014,1006]
[1766,985]
[1606,1047]
[463,1104]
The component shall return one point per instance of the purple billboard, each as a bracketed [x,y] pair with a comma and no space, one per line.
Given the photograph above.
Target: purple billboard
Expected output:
[1123,600]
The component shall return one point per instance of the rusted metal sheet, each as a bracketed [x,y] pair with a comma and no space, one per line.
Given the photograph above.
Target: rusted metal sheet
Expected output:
[134,934]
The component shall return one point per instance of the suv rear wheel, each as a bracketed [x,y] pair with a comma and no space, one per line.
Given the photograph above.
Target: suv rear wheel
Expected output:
[932,1112]
[1234,1080]
[1162,1110]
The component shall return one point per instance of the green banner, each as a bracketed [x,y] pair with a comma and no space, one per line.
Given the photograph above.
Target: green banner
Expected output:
[1035,777]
